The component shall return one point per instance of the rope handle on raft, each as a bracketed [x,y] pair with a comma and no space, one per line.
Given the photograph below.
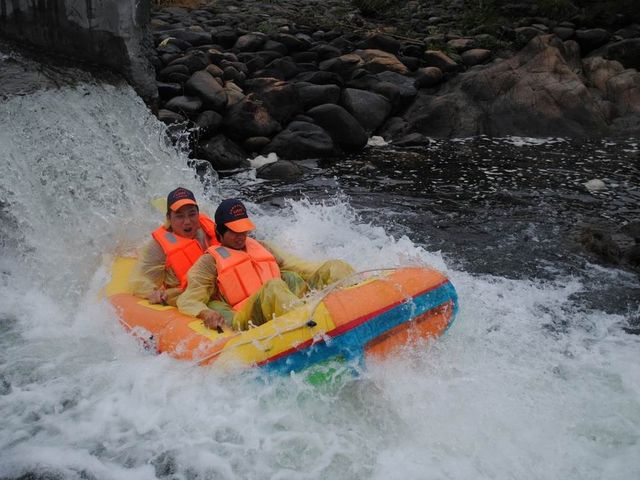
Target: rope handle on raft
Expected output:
[309,322]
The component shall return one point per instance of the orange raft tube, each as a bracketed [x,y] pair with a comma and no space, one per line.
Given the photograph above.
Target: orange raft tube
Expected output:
[373,317]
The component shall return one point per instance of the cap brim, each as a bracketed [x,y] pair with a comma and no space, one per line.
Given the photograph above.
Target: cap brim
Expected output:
[175,206]
[241,226]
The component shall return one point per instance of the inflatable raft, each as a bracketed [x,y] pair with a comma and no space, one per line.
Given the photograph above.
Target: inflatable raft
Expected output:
[374,317]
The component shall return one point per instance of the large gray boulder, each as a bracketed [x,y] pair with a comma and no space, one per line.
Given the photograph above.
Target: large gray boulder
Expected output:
[249,118]
[368,108]
[280,170]
[627,52]
[222,153]
[280,98]
[311,95]
[301,140]
[535,92]
[345,130]
[207,89]
[376,61]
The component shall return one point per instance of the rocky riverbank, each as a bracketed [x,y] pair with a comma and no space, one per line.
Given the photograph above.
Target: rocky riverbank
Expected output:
[317,78]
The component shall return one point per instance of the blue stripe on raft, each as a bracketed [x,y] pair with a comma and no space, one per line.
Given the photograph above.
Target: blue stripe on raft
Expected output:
[351,344]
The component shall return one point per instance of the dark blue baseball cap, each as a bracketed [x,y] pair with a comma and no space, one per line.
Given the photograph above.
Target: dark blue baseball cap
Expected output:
[179,198]
[232,214]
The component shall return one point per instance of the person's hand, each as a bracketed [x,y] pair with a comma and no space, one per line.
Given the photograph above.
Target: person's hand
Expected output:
[212,319]
[158,296]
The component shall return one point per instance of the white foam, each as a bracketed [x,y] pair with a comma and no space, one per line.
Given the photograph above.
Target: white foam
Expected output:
[262,160]
[526,383]
[377,141]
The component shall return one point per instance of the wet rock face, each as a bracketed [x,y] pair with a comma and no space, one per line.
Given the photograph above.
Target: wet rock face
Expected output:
[111,33]
[284,84]
[619,246]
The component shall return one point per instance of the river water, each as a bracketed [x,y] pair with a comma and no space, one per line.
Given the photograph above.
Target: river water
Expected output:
[537,379]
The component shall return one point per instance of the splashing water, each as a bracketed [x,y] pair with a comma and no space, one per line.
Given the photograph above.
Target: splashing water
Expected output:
[527,384]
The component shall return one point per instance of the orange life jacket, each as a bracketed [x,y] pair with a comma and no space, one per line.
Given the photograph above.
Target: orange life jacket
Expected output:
[241,273]
[183,252]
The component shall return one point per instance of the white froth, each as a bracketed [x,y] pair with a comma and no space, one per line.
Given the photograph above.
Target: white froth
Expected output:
[525,384]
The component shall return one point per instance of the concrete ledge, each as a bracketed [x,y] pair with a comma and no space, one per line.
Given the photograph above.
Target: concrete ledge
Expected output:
[111,33]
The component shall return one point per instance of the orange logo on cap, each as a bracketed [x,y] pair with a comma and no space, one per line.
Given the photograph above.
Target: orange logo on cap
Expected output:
[238,210]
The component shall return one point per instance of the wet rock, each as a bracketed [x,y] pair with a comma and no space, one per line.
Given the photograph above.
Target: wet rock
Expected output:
[249,118]
[325,52]
[207,89]
[591,39]
[292,43]
[311,95]
[436,58]
[376,61]
[301,140]
[224,36]
[193,61]
[624,91]
[627,52]
[234,94]
[404,85]
[534,92]
[255,144]
[320,78]
[233,74]
[428,77]
[461,44]
[571,54]
[368,108]
[222,153]
[185,105]
[381,42]
[167,73]
[412,140]
[280,170]
[525,34]
[280,48]
[234,63]
[476,56]
[305,57]
[168,90]
[564,33]
[394,128]
[169,117]
[208,123]
[251,42]
[278,97]
[343,65]
[631,31]
[285,66]
[599,71]
[412,63]
[345,130]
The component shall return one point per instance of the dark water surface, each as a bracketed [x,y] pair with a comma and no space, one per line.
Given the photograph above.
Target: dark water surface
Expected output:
[512,207]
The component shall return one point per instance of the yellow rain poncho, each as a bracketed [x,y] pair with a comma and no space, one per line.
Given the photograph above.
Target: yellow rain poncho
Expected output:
[274,298]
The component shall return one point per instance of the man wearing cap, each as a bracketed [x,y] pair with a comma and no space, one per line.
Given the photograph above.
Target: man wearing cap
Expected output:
[243,282]
[160,274]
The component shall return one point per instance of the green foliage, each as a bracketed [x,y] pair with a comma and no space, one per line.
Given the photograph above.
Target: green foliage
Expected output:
[555,8]
[266,27]
[480,12]
[373,7]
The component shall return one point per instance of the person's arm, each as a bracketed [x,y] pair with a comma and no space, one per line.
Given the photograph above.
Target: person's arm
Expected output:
[316,274]
[201,287]
[148,276]
[288,261]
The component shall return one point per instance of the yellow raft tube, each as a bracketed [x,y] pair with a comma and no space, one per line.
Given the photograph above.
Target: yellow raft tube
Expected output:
[373,317]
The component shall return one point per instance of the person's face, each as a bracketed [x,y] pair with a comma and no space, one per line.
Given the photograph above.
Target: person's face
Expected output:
[185,222]
[234,240]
